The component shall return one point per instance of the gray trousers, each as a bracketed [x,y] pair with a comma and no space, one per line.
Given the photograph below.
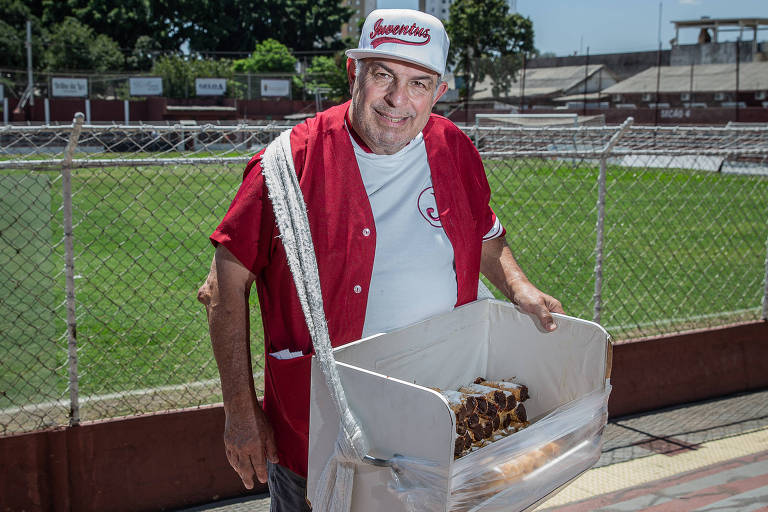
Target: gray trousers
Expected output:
[287,490]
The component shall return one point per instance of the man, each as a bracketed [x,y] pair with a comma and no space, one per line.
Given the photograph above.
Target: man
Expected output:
[397,202]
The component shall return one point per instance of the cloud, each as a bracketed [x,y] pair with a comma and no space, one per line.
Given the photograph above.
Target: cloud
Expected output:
[690,2]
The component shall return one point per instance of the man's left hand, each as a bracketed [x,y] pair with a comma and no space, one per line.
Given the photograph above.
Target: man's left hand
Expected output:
[500,267]
[532,300]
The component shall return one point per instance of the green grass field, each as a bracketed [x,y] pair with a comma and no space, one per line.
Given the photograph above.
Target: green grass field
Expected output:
[680,247]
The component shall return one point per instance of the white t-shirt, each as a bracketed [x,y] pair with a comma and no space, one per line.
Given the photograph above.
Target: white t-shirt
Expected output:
[413,269]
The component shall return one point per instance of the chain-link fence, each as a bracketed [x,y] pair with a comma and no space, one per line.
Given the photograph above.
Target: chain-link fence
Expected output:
[103,236]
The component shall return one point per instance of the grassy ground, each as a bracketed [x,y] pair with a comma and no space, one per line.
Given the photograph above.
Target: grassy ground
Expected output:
[679,246]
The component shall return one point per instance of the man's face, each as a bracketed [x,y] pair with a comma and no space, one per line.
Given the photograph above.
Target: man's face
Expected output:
[391,102]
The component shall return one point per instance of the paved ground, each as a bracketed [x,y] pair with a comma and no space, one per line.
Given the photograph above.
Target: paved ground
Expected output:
[708,456]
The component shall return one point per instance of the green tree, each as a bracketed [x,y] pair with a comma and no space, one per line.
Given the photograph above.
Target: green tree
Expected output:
[269,56]
[74,46]
[125,21]
[329,73]
[143,54]
[310,24]
[179,73]
[237,25]
[483,37]
[502,71]
[13,34]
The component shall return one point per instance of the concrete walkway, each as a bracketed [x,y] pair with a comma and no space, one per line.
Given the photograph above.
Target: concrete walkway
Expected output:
[707,456]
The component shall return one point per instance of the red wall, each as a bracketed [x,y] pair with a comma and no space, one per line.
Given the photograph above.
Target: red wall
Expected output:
[659,372]
[63,110]
[151,462]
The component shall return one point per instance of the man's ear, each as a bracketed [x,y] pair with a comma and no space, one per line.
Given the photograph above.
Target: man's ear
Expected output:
[351,73]
[441,89]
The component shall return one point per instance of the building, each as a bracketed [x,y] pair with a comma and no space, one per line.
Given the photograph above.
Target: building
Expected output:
[361,9]
[694,86]
[546,88]
[711,49]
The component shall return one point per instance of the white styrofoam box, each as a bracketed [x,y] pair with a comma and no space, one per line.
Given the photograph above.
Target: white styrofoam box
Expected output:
[387,380]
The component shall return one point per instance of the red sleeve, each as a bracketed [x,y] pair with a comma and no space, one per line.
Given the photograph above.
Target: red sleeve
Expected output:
[489,224]
[248,228]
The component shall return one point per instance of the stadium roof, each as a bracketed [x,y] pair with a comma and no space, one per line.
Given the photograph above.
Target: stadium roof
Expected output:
[555,81]
[753,76]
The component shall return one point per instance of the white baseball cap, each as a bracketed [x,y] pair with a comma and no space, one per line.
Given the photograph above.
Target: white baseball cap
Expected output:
[404,34]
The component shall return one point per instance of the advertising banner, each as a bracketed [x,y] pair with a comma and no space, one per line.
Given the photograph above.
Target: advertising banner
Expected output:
[146,86]
[210,86]
[69,87]
[275,87]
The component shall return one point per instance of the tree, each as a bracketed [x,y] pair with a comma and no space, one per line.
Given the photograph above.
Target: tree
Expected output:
[237,25]
[13,34]
[483,36]
[502,71]
[179,73]
[74,46]
[269,56]
[310,24]
[125,21]
[329,73]
[143,53]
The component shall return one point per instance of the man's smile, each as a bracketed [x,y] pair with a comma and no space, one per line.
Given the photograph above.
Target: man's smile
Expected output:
[391,118]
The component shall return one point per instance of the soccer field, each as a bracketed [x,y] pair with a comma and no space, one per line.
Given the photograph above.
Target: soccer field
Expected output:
[680,246]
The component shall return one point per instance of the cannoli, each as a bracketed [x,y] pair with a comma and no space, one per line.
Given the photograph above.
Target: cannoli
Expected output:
[520,391]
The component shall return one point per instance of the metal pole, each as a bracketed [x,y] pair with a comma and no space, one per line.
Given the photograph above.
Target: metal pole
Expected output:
[30,80]
[601,193]
[522,83]
[586,79]
[5,110]
[658,75]
[738,57]
[69,269]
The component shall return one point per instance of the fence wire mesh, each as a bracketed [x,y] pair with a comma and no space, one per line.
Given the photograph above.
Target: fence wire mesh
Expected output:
[684,228]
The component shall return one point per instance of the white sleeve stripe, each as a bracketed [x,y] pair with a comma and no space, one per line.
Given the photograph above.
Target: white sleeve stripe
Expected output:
[495,232]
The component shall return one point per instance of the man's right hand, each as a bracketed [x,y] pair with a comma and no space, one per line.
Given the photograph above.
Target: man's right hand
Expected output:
[249,442]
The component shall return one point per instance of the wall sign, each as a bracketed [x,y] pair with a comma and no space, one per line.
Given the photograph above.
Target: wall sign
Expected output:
[273,87]
[146,86]
[210,86]
[69,87]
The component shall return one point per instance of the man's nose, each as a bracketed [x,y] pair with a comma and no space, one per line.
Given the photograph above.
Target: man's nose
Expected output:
[398,93]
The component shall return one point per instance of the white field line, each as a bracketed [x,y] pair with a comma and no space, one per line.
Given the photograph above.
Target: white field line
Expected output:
[670,321]
[112,396]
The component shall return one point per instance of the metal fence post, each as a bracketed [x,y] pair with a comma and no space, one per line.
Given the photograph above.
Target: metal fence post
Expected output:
[69,268]
[601,193]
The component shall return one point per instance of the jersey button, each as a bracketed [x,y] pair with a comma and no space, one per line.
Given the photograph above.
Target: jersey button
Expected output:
[366,232]
[358,288]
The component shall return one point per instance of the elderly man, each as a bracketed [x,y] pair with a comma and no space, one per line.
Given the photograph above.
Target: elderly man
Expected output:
[397,200]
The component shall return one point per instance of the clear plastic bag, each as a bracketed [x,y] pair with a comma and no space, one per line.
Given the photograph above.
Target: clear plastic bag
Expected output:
[512,473]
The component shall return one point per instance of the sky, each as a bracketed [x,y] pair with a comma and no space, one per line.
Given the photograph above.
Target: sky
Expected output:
[565,27]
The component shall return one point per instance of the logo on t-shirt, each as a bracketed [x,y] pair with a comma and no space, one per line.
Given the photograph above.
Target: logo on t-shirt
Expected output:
[428,207]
